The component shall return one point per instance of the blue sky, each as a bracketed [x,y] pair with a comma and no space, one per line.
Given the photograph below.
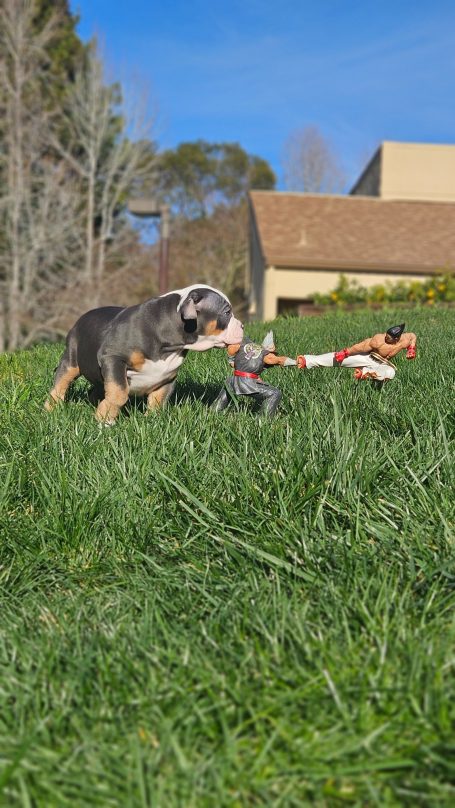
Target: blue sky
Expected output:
[253,71]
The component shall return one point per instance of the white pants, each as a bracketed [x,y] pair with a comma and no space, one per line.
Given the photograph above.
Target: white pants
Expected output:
[364,361]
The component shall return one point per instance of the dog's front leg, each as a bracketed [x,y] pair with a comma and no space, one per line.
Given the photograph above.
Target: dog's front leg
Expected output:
[115,389]
[158,398]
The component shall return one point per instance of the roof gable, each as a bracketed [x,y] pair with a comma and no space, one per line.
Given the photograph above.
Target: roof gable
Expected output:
[365,233]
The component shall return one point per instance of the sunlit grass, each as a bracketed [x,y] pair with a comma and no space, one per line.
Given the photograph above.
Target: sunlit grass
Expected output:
[204,610]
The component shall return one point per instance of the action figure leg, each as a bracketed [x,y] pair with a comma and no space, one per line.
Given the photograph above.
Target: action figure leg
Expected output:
[223,398]
[387,373]
[270,398]
[382,374]
[368,368]
[319,361]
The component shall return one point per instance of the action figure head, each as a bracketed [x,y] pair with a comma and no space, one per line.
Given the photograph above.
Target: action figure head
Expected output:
[269,343]
[394,333]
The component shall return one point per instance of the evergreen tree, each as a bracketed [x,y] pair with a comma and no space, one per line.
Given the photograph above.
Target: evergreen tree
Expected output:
[65,50]
[198,176]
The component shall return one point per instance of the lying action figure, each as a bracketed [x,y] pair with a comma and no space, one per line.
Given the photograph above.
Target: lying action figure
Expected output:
[370,358]
[249,361]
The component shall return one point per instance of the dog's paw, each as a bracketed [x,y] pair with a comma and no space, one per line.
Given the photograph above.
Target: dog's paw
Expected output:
[51,403]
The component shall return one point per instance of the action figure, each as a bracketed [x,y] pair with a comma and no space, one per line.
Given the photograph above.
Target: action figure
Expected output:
[249,359]
[370,358]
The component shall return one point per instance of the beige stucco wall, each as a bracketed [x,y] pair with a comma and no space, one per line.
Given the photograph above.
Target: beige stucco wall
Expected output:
[417,171]
[410,171]
[300,284]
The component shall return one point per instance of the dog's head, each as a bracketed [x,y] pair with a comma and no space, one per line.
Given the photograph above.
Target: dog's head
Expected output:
[207,318]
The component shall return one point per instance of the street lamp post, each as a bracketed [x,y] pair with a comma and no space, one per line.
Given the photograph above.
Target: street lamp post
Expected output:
[151,208]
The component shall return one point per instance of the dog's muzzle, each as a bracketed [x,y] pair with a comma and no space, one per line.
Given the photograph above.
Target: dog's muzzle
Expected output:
[233,334]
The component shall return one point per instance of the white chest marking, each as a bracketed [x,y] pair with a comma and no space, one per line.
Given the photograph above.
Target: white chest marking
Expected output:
[153,374]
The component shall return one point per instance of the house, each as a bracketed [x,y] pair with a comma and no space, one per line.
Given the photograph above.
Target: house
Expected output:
[398,223]
[409,171]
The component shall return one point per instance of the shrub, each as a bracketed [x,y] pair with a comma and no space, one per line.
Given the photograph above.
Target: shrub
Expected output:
[439,289]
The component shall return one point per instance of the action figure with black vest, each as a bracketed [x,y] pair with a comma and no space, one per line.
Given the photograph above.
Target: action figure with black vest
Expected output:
[371,358]
[249,360]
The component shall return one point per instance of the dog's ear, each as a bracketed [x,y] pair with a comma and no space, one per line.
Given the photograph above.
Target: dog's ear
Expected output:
[188,309]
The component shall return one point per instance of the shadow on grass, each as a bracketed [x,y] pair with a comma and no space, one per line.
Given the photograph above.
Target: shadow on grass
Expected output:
[194,391]
[207,393]
[186,391]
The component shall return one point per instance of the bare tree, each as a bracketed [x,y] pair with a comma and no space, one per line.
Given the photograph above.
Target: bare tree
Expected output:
[213,250]
[309,163]
[34,196]
[107,162]
[65,175]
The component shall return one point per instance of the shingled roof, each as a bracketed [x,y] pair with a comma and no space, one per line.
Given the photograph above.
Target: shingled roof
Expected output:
[354,232]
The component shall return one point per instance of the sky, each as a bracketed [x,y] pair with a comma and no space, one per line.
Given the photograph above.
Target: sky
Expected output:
[254,71]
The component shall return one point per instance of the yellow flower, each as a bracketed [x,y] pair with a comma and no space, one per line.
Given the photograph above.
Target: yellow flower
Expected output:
[430,292]
[442,287]
[334,296]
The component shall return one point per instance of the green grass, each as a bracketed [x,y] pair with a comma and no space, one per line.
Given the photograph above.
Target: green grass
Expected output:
[216,610]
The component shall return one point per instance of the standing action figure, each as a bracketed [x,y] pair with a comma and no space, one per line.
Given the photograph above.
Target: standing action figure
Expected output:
[371,357]
[249,360]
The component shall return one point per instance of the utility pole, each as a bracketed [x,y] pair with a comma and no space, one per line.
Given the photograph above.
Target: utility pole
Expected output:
[151,208]
[164,249]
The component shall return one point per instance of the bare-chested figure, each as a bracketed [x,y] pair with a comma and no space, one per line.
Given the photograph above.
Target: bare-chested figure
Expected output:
[370,358]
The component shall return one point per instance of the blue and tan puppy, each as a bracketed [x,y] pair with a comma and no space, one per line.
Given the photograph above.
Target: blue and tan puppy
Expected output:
[138,350]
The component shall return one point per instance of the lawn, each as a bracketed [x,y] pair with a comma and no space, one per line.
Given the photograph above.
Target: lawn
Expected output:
[215,610]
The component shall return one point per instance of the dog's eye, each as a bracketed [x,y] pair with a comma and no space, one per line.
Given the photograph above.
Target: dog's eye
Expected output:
[224,317]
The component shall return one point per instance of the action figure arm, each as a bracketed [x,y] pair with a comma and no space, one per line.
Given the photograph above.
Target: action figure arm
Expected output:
[407,342]
[232,349]
[273,359]
[361,347]
[411,345]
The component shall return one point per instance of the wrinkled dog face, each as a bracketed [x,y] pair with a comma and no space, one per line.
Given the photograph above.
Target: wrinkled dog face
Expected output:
[207,315]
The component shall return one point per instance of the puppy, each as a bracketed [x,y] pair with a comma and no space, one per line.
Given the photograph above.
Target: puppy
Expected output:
[138,350]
